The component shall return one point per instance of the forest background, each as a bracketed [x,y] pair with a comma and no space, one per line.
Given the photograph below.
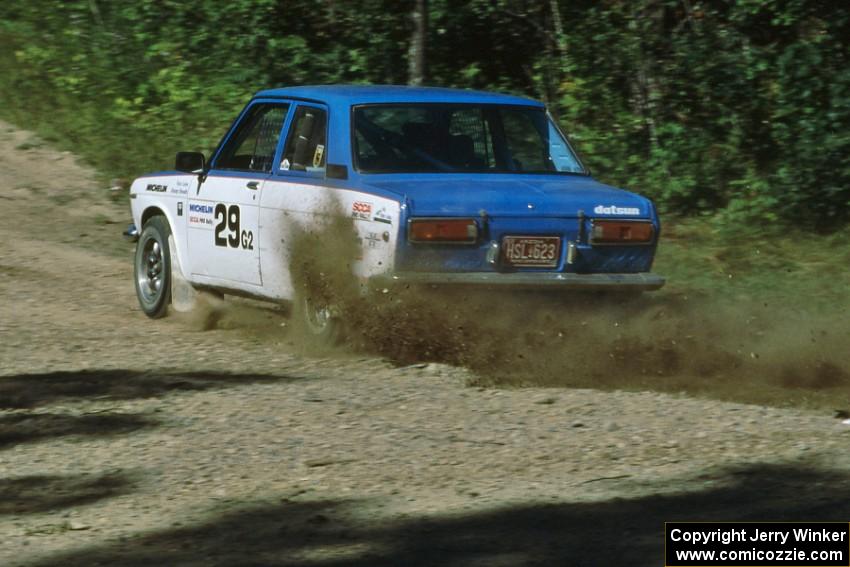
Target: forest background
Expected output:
[733,116]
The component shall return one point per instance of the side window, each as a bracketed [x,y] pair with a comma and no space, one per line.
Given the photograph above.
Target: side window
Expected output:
[562,156]
[470,144]
[252,146]
[388,138]
[524,142]
[305,146]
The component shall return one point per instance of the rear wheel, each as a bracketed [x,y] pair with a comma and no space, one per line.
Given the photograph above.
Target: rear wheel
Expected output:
[321,321]
[152,268]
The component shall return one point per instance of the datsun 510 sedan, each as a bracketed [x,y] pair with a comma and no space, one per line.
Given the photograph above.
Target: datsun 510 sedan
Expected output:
[444,187]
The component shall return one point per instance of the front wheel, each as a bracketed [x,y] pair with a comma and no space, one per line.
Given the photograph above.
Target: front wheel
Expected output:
[152,268]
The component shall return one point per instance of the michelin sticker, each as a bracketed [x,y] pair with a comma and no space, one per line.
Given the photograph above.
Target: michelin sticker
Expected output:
[612,210]
[200,216]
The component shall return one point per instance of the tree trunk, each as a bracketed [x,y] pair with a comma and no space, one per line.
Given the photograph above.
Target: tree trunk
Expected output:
[416,53]
[645,85]
[560,38]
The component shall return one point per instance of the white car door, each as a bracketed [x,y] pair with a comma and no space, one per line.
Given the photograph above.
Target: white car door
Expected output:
[222,219]
[294,196]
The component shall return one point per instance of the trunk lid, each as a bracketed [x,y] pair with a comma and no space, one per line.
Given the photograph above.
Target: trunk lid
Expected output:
[507,206]
[506,195]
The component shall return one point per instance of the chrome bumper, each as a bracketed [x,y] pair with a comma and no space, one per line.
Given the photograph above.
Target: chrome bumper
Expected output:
[532,280]
[131,234]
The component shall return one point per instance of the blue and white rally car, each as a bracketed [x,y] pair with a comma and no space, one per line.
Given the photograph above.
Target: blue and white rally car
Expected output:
[442,187]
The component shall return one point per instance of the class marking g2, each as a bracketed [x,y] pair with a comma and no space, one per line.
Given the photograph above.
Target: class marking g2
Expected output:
[227,231]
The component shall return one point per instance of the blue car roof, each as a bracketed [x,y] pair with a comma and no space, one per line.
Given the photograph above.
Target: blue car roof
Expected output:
[370,94]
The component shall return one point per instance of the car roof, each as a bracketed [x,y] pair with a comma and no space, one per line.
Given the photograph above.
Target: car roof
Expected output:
[369,94]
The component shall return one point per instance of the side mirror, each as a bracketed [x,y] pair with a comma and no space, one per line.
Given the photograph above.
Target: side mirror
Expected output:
[190,162]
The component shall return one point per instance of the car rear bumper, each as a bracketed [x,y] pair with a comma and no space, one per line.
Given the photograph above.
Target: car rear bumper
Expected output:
[533,280]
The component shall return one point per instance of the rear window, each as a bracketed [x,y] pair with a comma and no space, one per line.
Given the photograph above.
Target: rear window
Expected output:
[459,138]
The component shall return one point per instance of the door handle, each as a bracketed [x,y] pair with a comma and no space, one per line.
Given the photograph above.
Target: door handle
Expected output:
[253,185]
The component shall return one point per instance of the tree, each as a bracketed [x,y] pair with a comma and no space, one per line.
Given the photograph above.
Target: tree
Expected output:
[418,43]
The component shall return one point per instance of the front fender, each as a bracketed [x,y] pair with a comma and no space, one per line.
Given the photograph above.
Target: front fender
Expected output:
[146,203]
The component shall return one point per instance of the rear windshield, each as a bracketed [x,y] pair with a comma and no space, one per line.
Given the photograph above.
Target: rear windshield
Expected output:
[437,138]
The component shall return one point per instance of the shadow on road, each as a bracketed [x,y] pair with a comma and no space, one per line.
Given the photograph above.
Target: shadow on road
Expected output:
[33,494]
[614,532]
[27,428]
[33,390]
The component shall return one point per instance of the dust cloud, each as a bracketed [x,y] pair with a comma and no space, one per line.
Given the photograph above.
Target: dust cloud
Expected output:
[655,341]
[661,341]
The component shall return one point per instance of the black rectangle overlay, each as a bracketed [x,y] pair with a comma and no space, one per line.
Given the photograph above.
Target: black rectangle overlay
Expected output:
[757,544]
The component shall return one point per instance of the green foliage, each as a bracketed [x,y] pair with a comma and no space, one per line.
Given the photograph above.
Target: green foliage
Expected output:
[740,108]
[721,258]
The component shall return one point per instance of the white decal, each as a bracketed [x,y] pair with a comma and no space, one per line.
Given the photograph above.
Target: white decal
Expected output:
[284,164]
[200,216]
[372,239]
[383,216]
[612,210]
[317,156]
[181,187]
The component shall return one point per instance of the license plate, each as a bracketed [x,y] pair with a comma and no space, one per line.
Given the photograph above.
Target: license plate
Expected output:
[531,251]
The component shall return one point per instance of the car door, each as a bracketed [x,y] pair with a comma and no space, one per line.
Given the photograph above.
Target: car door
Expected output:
[294,195]
[223,216]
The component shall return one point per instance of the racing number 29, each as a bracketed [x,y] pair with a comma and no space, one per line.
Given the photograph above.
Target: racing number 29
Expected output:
[227,218]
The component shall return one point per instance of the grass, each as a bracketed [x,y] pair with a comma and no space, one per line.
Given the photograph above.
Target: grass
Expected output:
[112,146]
[776,266]
[29,146]
[102,220]
[62,199]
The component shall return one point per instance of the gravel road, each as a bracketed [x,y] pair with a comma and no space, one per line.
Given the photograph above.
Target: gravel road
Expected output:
[125,441]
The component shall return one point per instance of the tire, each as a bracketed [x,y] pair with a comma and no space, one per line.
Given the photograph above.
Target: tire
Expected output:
[152,268]
[322,323]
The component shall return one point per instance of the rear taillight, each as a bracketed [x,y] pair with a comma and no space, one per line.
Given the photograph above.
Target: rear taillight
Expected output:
[621,232]
[455,231]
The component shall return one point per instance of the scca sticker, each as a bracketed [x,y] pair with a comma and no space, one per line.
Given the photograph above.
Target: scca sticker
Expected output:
[361,210]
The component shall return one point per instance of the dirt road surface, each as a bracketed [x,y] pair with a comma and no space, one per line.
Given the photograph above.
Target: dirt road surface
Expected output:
[125,441]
